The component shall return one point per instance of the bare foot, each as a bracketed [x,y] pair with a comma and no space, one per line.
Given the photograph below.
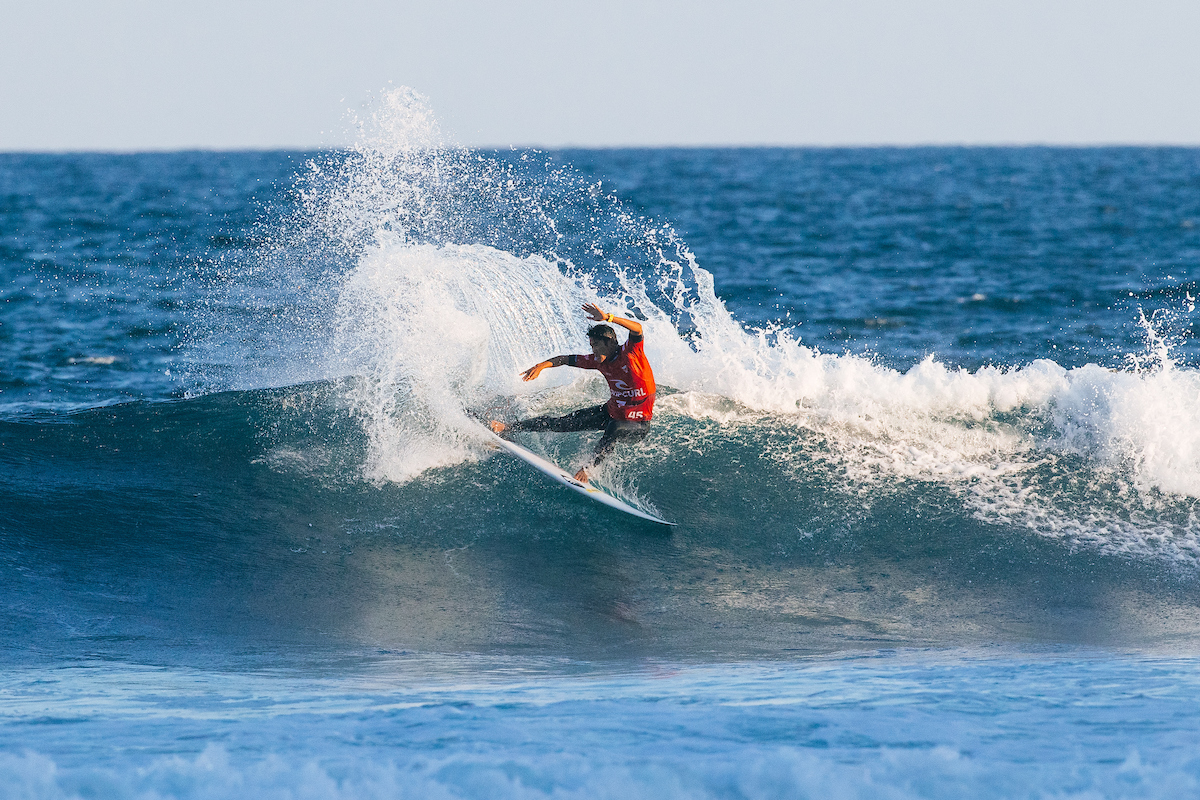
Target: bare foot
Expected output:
[497,426]
[581,476]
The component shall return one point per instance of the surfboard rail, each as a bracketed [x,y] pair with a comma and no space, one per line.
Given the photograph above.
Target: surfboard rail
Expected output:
[561,476]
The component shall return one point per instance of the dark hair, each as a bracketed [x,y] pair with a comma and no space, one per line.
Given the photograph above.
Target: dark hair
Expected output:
[602,332]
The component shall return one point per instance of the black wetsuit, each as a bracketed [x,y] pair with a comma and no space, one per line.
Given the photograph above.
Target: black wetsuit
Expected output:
[589,419]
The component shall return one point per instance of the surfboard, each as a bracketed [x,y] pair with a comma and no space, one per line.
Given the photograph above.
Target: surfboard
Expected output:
[560,475]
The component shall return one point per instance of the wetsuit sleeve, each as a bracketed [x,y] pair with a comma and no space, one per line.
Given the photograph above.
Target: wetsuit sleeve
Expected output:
[583,362]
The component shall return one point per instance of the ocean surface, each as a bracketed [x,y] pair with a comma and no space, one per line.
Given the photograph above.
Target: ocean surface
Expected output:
[928,422]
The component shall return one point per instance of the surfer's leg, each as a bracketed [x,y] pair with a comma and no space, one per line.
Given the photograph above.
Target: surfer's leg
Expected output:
[624,430]
[585,419]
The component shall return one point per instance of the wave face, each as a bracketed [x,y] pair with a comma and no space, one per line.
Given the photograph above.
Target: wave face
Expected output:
[911,397]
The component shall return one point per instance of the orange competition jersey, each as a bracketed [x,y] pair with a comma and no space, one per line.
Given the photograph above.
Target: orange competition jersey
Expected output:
[630,380]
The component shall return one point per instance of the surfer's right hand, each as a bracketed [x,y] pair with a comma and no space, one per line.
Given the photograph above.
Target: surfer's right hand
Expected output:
[534,371]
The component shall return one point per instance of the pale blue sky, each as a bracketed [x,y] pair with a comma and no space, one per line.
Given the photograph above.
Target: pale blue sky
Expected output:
[136,74]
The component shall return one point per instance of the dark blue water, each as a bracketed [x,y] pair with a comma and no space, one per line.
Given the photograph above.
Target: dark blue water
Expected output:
[916,402]
[104,256]
[976,255]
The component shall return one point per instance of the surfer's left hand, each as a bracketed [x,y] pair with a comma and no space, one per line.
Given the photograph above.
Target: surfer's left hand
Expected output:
[594,313]
[582,476]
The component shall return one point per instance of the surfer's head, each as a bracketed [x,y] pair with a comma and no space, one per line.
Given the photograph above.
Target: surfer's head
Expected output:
[603,340]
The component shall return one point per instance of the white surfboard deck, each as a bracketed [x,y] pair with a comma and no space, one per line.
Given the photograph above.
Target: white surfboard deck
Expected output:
[567,479]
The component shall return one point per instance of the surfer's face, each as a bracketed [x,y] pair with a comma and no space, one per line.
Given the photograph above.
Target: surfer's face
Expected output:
[604,347]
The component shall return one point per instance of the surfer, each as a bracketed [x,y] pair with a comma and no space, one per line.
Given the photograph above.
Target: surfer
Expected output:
[626,415]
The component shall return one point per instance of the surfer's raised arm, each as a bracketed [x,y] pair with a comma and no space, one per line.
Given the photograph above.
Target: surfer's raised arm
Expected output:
[604,351]
[594,313]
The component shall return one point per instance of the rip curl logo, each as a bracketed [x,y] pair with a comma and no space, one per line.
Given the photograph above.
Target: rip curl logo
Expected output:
[620,388]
